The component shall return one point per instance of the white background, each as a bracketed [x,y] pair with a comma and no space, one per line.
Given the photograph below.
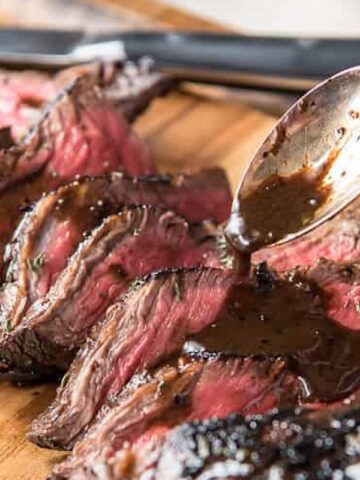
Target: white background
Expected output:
[284,17]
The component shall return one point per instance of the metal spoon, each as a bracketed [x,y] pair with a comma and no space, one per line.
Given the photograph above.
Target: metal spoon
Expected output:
[324,124]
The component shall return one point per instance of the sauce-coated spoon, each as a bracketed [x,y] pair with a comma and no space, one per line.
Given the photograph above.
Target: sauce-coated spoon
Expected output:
[305,172]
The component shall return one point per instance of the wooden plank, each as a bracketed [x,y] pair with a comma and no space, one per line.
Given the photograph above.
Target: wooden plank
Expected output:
[18,458]
[163,112]
[201,133]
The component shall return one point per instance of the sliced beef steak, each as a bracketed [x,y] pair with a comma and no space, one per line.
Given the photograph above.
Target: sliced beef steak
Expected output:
[131,244]
[24,95]
[148,325]
[82,133]
[187,390]
[294,317]
[286,445]
[52,230]
[337,240]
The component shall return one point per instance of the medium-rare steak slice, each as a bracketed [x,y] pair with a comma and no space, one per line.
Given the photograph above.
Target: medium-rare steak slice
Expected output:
[125,246]
[286,445]
[82,133]
[337,240]
[129,87]
[57,223]
[286,317]
[185,390]
[148,325]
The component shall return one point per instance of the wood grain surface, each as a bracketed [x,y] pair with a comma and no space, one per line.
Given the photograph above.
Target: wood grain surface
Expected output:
[184,132]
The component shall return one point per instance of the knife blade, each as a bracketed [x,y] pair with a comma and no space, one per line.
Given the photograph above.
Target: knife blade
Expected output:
[286,64]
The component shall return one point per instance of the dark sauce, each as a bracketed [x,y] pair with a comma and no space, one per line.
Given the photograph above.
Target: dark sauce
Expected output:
[6,139]
[277,207]
[285,318]
[85,206]
[13,203]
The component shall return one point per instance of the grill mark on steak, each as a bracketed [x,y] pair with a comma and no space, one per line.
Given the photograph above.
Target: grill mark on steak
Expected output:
[133,243]
[182,390]
[57,223]
[148,325]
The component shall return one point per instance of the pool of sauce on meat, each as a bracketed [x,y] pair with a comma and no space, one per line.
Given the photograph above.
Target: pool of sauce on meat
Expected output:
[286,317]
[86,205]
[272,317]
[83,206]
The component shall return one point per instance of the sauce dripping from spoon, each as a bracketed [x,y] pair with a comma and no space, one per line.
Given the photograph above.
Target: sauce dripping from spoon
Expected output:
[277,207]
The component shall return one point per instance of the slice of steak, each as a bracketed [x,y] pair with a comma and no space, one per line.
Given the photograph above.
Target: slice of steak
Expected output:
[337,240]
[185,390]
[125,246]
[81,133]
[148,325]
[57,223]
[290,317]
[130,86]
[286,445]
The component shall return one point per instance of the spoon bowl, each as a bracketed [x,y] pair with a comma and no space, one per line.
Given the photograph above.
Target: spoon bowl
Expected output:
[319,133]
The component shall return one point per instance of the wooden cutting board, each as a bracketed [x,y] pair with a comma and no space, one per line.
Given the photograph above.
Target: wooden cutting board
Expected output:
[183,131]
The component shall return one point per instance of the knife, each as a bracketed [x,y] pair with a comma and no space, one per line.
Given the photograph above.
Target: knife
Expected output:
[285,64]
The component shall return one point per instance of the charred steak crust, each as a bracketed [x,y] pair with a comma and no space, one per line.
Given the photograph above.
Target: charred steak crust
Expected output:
[287,444]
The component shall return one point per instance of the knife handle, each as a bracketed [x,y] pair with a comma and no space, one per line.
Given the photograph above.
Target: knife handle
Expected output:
[230,59]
